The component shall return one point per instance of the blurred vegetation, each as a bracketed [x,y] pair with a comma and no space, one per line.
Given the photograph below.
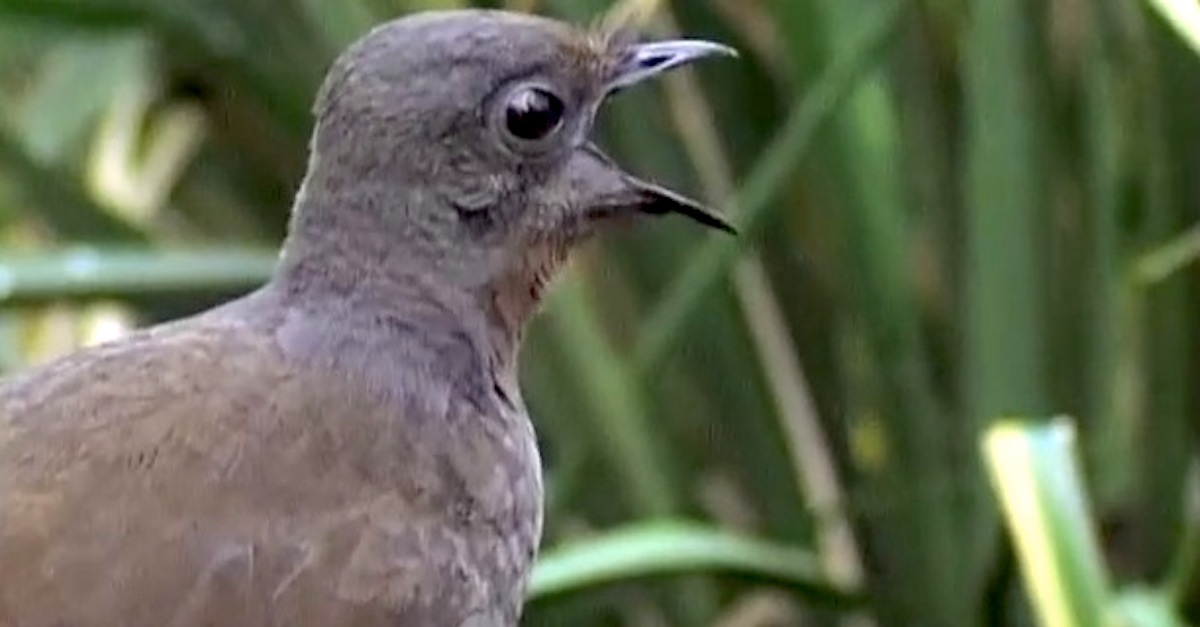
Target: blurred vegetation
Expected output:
[952,211]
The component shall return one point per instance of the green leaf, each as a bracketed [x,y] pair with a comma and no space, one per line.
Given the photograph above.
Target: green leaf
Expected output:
[1035,475]
[1006,265]
[1169,258]
[1183,16]
[78,80]
[1146,607]
[673,548]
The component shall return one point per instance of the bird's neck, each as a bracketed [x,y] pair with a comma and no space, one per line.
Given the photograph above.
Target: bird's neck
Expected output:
[345,256]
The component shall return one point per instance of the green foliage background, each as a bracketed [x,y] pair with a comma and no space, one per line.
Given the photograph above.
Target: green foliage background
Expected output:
[952,210]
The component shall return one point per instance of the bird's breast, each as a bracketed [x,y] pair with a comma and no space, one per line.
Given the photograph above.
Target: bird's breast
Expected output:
[452,479]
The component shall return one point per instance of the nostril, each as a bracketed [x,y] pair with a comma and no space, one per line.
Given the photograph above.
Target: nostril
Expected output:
[642,61]
[654,60]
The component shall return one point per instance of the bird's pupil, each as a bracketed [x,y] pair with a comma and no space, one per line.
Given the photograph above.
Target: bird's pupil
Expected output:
[533,113]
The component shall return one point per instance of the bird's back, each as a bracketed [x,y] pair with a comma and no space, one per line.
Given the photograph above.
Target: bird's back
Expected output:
[198,474]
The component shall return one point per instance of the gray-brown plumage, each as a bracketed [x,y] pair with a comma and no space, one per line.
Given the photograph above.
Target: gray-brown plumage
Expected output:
[346,446]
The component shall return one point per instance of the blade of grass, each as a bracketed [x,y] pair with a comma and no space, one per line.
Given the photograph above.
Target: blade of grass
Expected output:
[1183,16]
[893,400]
[1004,369]
[810,452]
[674,548]
[137,158]
[1034,474]
[1168,258]
[1183,577]
[671,319]
[1104,296]
[1147,607]
[1166,86]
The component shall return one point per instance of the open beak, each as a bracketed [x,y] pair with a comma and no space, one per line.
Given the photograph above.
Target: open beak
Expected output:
[659,200]
[639,62]
[615,191]
[635,64]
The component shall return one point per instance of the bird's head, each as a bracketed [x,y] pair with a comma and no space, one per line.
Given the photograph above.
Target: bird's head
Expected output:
[461,140]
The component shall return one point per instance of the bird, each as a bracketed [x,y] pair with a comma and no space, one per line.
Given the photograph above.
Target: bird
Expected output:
[346,445]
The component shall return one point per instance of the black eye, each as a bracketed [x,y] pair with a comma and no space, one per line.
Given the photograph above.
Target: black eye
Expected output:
[533,113]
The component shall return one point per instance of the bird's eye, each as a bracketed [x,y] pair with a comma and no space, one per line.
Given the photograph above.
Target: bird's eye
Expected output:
[532,113]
